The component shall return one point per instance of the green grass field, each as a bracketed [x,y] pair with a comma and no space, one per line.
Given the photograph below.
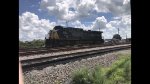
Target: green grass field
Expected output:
[118,73]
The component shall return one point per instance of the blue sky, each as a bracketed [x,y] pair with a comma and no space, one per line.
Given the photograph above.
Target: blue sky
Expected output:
[34,6]
[39,16]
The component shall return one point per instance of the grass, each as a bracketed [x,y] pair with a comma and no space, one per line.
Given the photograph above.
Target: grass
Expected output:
[118,73]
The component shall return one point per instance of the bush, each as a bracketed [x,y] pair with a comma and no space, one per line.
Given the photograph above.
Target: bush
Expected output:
[127,71]
[118,73]
[81,77]
[85,76]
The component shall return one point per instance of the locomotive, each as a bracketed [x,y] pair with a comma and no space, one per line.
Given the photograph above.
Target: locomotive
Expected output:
[116,40]
[63,36]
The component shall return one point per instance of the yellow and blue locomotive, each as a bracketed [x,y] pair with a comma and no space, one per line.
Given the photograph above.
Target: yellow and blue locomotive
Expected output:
[63,36]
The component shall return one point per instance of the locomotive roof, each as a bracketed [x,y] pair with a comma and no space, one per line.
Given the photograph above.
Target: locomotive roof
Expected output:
[62,27]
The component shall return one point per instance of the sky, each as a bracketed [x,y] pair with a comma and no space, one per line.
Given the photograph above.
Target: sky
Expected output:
[37,17]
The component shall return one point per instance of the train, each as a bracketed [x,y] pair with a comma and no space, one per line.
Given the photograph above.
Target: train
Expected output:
[63,36]
[116,40]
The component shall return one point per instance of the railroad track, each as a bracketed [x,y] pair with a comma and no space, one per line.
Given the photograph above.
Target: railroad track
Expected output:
[35,51]
[61,59]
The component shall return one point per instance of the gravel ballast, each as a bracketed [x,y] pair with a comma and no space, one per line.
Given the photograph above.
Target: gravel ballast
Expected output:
[61,74]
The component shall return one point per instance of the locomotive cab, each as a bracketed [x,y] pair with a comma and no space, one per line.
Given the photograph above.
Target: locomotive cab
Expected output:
[51,38]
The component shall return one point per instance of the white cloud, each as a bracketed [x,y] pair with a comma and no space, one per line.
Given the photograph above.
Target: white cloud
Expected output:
[124,25]
[58,8]
[117,7]
[116,18]
[61,8]
[77,24]
[31,27]
[126,1]
[84,8]
[99,23]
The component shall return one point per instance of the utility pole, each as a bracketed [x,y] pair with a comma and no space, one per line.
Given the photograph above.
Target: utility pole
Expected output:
[67,23]
[118,30]
[67,20]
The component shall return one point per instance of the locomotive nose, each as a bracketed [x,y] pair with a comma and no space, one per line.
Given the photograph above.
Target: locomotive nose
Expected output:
[54,34]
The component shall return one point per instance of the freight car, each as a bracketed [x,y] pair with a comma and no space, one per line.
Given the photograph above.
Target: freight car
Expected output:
[63,36]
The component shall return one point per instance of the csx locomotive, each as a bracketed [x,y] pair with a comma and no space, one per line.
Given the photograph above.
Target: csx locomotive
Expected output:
[63,36]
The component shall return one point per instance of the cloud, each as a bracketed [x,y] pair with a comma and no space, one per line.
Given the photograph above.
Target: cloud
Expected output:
[77,9]
[61,8]
[31,27]
[99,23]
[124,25]
[85,8]
[116,7]
[58,8]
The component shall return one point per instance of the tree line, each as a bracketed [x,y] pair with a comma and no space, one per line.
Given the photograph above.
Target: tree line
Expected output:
[31,44]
